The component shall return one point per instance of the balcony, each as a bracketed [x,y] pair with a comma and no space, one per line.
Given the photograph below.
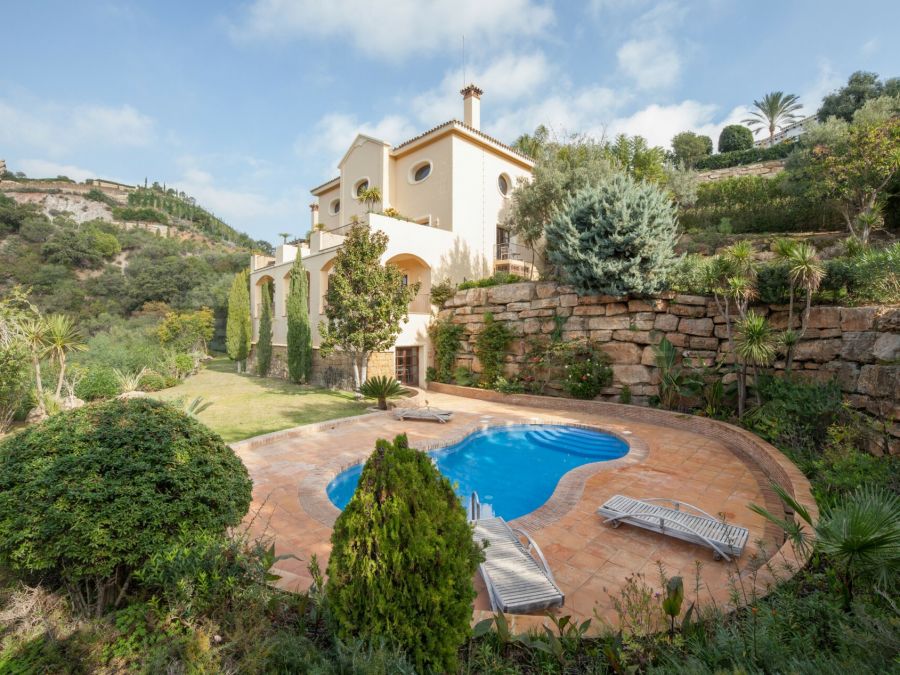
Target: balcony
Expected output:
[515,259]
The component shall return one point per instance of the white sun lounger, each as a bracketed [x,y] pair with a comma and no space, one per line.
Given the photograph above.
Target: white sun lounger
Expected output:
[426,413]
[516,581]
[690,524]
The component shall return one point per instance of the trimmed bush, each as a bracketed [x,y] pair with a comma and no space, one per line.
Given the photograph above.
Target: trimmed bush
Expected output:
[153,381]
[615,239]
[735,138]
[725,160]
[403,558]
[87,497]
[99,382]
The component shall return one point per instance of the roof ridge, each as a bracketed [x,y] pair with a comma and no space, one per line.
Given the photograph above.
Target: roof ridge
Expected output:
[469,128]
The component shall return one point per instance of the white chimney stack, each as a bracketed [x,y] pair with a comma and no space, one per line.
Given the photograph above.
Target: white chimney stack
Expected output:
[472,106]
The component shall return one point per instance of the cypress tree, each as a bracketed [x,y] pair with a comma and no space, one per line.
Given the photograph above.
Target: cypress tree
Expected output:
[299,335]
[616,238]
[238,330]
[264,344]
[403,558]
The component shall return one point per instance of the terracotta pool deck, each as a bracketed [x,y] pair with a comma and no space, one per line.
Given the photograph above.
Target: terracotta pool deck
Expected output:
[590,560]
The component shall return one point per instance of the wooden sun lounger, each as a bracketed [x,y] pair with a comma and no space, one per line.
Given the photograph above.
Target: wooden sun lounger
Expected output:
[431,414]
[516,581]
[690,524]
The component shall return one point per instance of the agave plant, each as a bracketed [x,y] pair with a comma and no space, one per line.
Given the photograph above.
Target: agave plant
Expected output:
[129,381]
[194,407]
[382,388]
[860,535]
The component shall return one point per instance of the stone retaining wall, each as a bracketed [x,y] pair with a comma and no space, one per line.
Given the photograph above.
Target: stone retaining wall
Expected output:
[767,169]
[860,346]
[335,370]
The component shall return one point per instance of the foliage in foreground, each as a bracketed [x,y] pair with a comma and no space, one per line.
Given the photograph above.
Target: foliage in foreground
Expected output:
[88,496]
[616,239]
[403,558]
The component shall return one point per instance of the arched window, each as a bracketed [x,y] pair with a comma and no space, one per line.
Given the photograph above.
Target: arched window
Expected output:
[335,207]
[503,184]
[361,187]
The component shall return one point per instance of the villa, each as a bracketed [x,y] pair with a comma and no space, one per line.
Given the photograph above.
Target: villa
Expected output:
[444,193]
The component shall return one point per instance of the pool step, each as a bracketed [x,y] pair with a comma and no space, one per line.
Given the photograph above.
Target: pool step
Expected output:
[578,442]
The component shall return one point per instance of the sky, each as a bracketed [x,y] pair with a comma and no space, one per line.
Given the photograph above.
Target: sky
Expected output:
[247,104]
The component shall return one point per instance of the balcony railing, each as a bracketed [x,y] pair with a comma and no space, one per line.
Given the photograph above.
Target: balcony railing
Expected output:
[514,259]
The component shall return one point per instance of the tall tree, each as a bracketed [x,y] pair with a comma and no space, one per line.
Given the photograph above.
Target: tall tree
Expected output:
[238,329]
[366,301]
[34,330]
[299,335]
[861,86]
[264,343]
[689,148]
[775,111]
[62,337]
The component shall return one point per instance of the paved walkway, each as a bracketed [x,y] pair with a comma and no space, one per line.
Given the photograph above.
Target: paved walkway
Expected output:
[591,561]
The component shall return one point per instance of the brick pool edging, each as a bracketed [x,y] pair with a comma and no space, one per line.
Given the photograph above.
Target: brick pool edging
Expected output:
[313,497]
[774,465]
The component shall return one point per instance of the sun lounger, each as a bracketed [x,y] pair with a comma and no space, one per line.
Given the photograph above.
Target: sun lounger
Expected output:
[426,413]
[684,522]
[516,581]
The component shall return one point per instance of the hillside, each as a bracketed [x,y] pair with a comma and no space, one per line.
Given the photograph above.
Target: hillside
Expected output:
[100,253]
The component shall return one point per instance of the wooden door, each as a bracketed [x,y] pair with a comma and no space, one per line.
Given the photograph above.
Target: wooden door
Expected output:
[408,365]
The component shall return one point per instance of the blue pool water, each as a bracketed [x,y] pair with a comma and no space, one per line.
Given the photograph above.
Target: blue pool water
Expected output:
[515,469]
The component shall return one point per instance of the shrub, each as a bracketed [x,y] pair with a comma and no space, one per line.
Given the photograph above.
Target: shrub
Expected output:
[773,283]
[91,494]
[100,196]
[464,377]
[403,558]
[490,348]
[446,338]
[509,385]
[691,275]
[725,160]
[689,148]
[144,214]
[15,382]
[382,389]
[152,381]
[588,373]
[735,138]
[186,331]
[497,279]
[616,239]
[98,382]
[442,292]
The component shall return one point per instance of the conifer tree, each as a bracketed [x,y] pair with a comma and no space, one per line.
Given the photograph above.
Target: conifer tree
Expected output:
[403,558]
[264,344]
[299,335]
[616,238]
[238,330]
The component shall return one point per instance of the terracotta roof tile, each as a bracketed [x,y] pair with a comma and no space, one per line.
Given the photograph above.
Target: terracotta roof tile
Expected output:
[473,130]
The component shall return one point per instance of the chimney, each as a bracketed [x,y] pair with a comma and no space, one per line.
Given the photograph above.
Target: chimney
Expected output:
[314,214]
[472,106]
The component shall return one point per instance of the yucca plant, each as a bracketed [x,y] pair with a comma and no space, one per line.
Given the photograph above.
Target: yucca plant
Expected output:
[860,536]
[382,388]
[129,381]
[754,345]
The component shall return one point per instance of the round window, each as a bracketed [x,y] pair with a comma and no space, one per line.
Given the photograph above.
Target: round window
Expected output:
[335,206]
[503,184]
[422,172]
[361,187]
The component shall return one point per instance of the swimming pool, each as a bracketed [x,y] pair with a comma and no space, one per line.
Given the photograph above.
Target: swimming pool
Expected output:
[515,469]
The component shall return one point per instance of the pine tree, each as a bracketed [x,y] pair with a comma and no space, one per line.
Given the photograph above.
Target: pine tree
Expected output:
[264,344]
[299,335]
[403,558]
[616,238]
[238,331]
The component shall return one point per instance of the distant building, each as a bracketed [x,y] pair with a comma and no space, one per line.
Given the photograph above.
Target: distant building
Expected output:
[788,133]
[2,166]
[444,193]
[109,184]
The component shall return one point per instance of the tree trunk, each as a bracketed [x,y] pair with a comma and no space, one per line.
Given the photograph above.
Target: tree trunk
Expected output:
[356,381]
[742,390]
[364,368]
[62,374]
[36,361]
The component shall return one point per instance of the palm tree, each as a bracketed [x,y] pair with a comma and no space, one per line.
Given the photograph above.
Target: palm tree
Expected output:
[804,271]
[34,330]
[860,534]
[284,236]
[370,196]
[754,346]
[382,388]
[774,112]
[62,337]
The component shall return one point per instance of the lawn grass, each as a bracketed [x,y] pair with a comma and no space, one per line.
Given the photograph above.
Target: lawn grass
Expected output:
[245,405]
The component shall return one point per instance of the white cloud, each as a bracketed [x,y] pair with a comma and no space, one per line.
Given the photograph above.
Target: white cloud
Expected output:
[393,30]
[827,81]
[869,47]
[508,78]
[653,63]
[659,123]
[332,135]
[55,129]
[41,168]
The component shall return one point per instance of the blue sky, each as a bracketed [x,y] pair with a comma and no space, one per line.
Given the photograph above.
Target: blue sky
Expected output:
[248,104]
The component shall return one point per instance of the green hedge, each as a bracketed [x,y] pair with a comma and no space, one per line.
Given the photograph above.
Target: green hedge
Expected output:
[739,157]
